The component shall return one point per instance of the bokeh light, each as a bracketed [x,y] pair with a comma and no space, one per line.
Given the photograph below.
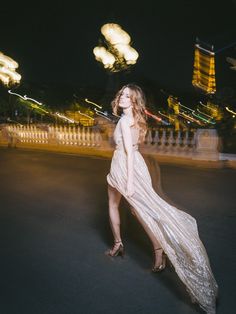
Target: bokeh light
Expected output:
[117,55]
[8,74]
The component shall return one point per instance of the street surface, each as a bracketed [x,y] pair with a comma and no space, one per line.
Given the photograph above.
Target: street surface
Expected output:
[54,230]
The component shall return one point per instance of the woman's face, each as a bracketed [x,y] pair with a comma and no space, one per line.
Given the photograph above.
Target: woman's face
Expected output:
[125,100]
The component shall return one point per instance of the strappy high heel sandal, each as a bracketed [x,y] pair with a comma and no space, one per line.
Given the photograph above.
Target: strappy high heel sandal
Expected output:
[162,266]
[118,249]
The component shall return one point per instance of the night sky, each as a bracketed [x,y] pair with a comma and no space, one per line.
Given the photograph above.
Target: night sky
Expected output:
[53,41]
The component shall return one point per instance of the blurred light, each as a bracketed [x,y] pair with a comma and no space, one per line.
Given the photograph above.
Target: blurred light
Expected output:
[116,115]
[204,70]
[129,53]
[83,114]
[64,117]
[114,34]
[104,56]
[25,97]
[152,115]
[118,55]
[8,75]
[93,103]
[231,111]
[102,114]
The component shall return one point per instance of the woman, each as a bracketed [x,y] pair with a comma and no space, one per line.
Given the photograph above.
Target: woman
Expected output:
[172,232]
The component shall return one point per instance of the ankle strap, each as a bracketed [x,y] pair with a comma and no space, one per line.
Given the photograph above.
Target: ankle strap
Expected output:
[160,248]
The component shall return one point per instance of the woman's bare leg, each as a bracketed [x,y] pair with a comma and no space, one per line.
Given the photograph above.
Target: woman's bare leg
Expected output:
[114,198]
[156,244]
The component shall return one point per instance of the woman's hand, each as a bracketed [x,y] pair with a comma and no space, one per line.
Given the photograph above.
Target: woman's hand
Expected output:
[130,189]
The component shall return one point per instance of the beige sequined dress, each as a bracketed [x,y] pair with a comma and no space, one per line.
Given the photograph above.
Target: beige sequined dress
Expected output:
[175,229]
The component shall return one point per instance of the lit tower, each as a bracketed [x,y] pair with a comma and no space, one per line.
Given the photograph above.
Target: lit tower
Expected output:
[204,68]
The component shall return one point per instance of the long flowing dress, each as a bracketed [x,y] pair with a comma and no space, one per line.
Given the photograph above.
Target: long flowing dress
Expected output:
[175,230]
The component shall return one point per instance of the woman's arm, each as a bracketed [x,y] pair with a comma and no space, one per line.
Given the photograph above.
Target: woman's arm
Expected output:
[128,145]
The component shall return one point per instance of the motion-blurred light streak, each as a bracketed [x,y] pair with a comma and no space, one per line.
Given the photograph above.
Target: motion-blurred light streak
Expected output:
[229,110]
[207,115]
[184,115]
[93,103]
[103,114]
[64,117]
[148,113]
[166,116]
[25,97]
[84,114]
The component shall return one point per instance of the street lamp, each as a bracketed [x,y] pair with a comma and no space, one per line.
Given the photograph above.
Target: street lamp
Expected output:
[8,74]
[117,55]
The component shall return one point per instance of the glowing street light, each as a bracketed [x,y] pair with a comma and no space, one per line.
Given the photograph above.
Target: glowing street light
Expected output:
[118,54]
[8,75]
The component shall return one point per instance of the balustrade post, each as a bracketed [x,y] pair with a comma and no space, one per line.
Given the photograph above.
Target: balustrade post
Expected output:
[170,142]
[156,139]
[207,143]
[163,141]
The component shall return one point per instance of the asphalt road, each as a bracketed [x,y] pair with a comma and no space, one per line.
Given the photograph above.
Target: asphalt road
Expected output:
[54,230]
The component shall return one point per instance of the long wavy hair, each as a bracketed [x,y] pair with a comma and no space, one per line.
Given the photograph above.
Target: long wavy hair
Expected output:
[139,101]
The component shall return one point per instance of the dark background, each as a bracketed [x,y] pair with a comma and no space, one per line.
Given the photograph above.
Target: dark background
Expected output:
[53,41]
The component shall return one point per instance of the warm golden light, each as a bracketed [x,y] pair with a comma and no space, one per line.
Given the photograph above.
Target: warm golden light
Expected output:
[104,56]
[8,62]
[4,78]
[204,70]
[129,53]
[114,34]
[8,75]
[118,55]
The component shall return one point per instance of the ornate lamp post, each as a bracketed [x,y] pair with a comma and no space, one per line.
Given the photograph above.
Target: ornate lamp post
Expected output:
[115,54]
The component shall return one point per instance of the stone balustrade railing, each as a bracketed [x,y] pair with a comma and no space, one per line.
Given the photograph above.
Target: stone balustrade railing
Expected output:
[59,135]
[168,141]
[189,143]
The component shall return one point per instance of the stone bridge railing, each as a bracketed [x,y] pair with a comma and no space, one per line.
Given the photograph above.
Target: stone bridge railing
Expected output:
[58,135]
[191,144]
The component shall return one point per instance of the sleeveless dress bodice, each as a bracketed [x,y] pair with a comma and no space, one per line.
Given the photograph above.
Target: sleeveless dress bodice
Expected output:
[118,138]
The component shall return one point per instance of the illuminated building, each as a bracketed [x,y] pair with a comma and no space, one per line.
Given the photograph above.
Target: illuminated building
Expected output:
[204,69]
